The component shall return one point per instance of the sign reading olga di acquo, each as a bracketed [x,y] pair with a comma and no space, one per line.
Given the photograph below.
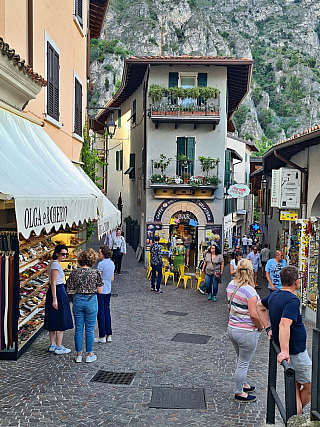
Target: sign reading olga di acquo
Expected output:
[239,190]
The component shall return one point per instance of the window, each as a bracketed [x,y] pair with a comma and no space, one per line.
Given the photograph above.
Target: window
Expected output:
[119,160]
[77,107]
[186,147]
[188,80]
[53,82]
[119,119]
[79,11]
[134,112]
[132,173]
[227,174]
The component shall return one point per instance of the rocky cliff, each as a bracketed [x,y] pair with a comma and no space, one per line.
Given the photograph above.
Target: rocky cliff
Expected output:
[282,36]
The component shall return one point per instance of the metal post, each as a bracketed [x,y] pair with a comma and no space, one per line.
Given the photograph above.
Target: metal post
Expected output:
[290,392]
[272,380]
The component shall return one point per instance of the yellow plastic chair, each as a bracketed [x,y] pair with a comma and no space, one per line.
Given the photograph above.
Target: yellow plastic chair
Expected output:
[184,277]
[199,279]
[149,269]
[166,275]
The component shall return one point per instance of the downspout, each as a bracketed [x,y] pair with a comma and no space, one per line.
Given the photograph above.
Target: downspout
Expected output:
[30,32]
[145,115]
[304,183]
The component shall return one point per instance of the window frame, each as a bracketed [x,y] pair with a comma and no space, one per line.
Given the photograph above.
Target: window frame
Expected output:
[74,133]
[134,112]
[78,20]
[47,117]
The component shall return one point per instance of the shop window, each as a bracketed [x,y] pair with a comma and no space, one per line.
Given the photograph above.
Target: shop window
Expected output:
[79,11]
[134,111]
[77,107]
[186,147]
[53,82]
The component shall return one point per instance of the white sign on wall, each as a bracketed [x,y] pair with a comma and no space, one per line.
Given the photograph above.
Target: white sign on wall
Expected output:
[275,189]
[290,188]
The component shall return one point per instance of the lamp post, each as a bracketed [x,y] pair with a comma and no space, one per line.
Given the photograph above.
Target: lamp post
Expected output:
[111,127]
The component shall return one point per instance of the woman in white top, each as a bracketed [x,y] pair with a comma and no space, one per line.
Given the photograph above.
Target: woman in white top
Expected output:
[234,264]
[119,249]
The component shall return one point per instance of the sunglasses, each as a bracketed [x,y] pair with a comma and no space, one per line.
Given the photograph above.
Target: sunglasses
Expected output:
[64,253]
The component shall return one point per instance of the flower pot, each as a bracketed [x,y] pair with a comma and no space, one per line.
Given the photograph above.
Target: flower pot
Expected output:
[185,180]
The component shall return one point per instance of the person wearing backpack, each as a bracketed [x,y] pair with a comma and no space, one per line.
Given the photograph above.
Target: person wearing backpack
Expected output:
[119,249]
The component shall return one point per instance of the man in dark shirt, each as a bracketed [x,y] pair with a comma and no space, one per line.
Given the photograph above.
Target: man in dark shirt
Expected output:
[288,331]
[156,264]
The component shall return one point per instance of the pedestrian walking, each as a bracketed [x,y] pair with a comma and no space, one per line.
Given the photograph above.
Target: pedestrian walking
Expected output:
[57,309]
[288,331]
[236,251]
[234,263]
[265,256]
[106,267]
[249,243]
[244,244]
[254,257]
[187,240]
[119,249]
[156,264]
[213,266]
[84,283]
[236,242]
[244,326]
[273,268]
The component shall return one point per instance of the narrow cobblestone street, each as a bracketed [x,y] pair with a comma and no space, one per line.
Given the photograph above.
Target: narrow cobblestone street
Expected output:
[45,389]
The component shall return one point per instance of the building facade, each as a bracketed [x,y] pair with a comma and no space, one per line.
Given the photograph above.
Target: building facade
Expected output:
[167,157]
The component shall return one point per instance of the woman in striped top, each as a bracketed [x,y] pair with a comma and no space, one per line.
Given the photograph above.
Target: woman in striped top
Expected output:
[244,326]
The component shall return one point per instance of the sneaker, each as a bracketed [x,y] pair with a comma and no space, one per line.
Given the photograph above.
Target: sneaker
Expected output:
[214,299]
[90,359]
[119,274]
[201,290]
[52,348]
[100,340]
[78,359]
[152,289]
[159,291]
[209,296]
[62,350]
[109,339]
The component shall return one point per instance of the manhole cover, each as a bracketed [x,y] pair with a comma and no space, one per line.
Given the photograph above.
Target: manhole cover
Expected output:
[178,398]
[191,338]
[114,295]
[122,378]
[175,313]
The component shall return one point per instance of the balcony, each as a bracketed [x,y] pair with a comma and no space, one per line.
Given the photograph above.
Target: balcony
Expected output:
[170,108]
[183,179]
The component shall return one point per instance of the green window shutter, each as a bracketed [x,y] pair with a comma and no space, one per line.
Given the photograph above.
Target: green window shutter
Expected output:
[202,79]
[173,79]
[191,141]
[246,178]
[227,168]
[246,157]
[119,119]
[134,111]
[181,145]
[117,160]
[121,160]
[132,174]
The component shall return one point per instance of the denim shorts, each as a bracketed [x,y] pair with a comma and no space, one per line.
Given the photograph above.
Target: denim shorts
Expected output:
[302,365]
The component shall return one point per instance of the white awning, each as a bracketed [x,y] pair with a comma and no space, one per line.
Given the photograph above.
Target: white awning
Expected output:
[49,190]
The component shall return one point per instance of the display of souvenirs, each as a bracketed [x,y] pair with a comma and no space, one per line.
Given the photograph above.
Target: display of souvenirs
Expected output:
[28,253]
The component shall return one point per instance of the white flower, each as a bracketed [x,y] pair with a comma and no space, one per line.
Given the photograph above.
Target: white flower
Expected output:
[178,180]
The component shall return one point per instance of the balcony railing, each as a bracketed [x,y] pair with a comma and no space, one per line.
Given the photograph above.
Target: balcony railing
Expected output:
[183,173]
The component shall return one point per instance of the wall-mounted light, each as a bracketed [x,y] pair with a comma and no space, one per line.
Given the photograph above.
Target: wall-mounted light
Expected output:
[111,127]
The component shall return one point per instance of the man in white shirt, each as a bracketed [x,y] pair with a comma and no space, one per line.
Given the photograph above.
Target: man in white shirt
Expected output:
[244,244]
[254,257]
[249,243]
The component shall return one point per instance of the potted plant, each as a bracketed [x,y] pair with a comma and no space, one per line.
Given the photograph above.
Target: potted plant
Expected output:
[156,93]
[185,177]
[208,164]
[163,163]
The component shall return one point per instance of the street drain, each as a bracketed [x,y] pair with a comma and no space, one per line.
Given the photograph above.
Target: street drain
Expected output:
[177,398]
[114,295]
[175,313]
[121,378]
[191,338]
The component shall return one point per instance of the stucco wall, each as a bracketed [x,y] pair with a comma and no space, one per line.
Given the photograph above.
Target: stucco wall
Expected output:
[55,17]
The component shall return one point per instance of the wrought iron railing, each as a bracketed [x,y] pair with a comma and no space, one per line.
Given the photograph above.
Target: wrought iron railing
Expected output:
[185,107]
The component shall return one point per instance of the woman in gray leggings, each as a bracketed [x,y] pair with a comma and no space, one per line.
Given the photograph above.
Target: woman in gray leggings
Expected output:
[244,326]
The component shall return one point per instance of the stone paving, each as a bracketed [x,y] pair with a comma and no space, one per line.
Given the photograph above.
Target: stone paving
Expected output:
[45,389]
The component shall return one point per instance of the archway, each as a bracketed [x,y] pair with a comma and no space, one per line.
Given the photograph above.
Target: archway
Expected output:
[315,211]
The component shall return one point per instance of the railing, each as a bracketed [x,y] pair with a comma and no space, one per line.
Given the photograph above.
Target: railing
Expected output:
[185,107]
[185,170]
[290,388]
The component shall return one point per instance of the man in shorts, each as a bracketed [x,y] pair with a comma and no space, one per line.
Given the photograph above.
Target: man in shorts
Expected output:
[254,257]
[273,269]
[288,331]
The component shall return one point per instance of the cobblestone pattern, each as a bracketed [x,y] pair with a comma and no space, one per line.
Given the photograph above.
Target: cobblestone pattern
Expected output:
[45,389]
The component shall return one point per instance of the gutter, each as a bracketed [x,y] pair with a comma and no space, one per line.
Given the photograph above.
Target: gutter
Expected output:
[304,184]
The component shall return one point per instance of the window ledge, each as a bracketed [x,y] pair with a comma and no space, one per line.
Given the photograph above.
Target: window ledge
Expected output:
[78,25]
[53,121]
[78,137]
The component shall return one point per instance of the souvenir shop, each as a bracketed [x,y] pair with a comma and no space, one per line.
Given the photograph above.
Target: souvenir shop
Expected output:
[44,200]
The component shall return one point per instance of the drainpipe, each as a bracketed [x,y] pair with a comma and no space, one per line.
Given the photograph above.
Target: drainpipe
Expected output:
[304,183]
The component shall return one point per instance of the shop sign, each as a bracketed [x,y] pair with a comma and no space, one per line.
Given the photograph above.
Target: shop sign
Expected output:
[288,215]
[213,235]
[241,212]
[152,230]
[168,202]
[239,190]
[275,189]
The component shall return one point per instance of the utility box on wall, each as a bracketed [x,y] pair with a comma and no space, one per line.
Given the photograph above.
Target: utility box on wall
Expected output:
[286,188]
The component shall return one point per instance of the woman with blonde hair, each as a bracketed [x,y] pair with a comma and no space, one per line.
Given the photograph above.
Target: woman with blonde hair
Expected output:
[244,326]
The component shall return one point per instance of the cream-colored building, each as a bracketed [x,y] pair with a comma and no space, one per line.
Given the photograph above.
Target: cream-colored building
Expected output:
[51,36]
[189,128]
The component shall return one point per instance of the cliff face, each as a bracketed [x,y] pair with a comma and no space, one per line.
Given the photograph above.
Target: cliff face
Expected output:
[282,36]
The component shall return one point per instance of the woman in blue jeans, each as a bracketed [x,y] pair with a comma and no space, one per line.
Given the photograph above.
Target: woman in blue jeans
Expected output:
[106,266]
[84,283]
[213,266]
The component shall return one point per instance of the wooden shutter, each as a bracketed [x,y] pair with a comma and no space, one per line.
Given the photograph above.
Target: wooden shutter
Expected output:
[227,168]
[78,108]
[181,145]
[202,79]
[134,111]
[173,79]
[117,160]
[79,11]
[191,141]
[119,119]
[121,159]
[53,82]
[132,174]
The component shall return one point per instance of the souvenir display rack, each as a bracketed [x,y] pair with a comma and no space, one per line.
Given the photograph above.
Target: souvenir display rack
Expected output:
[32,259]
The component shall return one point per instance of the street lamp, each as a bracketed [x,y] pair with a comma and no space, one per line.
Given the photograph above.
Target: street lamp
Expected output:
[111,128]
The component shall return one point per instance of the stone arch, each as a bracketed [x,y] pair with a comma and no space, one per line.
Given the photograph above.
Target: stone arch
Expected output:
[184,206]
[315,210]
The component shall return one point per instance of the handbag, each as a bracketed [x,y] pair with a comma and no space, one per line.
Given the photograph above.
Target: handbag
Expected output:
[78,285]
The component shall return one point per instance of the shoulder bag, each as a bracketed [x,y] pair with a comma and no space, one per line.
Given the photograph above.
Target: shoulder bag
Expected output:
[231,298]
[79,283]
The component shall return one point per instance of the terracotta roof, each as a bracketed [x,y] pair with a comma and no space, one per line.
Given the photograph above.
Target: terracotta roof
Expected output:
[190,57]
[21,63]
[297,135]
[97,13]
